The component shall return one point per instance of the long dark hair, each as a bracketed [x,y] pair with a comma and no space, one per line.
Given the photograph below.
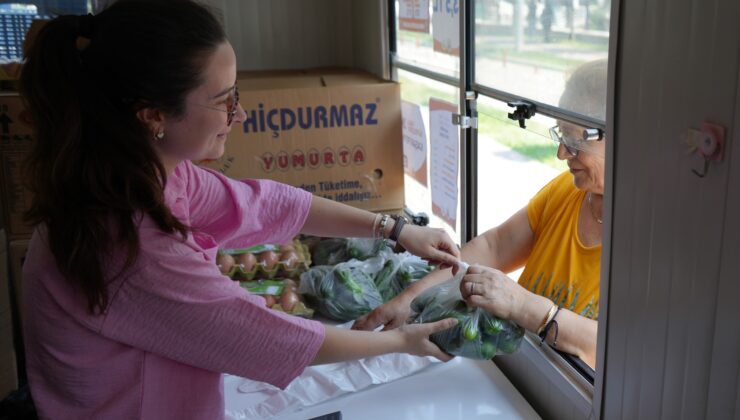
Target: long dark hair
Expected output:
[93,170]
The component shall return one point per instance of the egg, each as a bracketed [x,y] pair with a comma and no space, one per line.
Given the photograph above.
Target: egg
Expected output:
[225,263]
[269,300]
[290,284]
[287,247]
[247,261]
[288,300]
[289,259]
[268,259]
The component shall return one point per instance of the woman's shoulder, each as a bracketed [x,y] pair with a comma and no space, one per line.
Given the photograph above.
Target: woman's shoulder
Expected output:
[563,182]
[559,188]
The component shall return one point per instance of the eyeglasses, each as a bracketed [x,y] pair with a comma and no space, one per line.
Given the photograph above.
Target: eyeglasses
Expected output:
[232,105]
[576,145]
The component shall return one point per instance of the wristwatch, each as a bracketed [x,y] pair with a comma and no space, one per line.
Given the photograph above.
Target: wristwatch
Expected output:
[400,222]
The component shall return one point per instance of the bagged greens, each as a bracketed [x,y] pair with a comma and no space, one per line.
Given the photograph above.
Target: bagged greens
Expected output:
[477,335]
[343,292]
[351,289]
[337,250]
[398,272]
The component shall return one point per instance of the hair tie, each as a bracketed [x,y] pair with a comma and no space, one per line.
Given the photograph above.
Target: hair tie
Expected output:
[85,25]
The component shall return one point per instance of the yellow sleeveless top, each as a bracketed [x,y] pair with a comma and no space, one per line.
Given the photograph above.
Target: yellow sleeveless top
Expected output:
[560,267]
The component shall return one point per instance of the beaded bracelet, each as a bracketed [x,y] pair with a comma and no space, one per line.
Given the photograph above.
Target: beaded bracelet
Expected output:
[380,234]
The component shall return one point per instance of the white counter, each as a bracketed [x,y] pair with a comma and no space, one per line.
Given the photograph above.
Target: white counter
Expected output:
[460,389]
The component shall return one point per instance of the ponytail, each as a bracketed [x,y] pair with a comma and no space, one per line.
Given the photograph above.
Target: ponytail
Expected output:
[93,171]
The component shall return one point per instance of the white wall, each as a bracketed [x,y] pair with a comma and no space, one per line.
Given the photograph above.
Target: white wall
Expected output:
[290,34]
[673,334]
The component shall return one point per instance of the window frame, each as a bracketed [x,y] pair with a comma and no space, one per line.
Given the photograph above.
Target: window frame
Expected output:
[585,386]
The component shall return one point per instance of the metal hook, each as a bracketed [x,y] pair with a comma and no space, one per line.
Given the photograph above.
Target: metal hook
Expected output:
[523,111]
[706,169]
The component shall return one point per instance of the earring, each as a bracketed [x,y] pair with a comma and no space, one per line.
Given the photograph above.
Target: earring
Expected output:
[159,136]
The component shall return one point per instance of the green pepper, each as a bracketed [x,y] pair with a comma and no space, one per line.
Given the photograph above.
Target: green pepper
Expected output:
[470,329]
[493,325]
[385,273]
[487,350]
[406,278]
[326,290]
[383,280]
[355,253]
[346,279]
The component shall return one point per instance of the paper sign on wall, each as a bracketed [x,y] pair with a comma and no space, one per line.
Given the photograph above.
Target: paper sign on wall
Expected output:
[444,145]
[414,16]
[414,142]
[446,26]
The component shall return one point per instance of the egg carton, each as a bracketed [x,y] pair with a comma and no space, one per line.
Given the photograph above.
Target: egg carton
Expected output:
[279,295]
[265,261]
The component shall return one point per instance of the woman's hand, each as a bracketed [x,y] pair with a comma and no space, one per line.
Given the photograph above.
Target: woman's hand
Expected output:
[340,344]
[431,244]
[390,315]
[415,338]
[493,291]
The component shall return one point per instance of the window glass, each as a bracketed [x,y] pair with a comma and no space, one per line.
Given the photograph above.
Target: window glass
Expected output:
[529,47]
[16,18]
[416,92]
[416,35]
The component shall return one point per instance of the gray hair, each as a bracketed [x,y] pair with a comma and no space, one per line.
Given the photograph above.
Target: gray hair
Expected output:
[585,90]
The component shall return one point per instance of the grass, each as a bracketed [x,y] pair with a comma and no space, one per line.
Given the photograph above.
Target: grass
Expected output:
[542,59]
[418,93]
[493,123]
[529,142]
[551,57]
[547,57]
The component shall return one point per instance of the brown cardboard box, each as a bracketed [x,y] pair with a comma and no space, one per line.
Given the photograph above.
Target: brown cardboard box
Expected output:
[17,254]
[8,363]
[15,142]
[335,133]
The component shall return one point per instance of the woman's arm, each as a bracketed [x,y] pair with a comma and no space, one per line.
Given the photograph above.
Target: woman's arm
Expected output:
[332,219]
[493,291]
[329,218]
[341,345]
[506,246]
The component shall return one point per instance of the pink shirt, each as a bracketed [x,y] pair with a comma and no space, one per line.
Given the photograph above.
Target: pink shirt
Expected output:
[174,323]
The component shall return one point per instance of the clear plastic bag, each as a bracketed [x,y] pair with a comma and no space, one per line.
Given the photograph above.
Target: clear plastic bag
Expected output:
[343,292]
[477,335]
[333,251]
[399,272]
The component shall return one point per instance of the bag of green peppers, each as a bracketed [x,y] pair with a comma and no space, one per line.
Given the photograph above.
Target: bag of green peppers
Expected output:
[399,272]
[477,335]
[343,292]
[333,251]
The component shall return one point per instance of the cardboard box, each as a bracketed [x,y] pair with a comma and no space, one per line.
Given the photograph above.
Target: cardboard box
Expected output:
[15,143]
[17,252]
[335,133]
[8,362]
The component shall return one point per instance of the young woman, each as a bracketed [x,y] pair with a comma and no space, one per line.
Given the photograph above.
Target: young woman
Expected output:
[126,314]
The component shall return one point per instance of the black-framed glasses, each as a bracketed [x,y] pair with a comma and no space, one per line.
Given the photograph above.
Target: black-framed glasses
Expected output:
[232,105]
[575,145]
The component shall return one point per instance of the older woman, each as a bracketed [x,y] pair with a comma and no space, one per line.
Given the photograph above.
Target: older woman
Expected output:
[557,237]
